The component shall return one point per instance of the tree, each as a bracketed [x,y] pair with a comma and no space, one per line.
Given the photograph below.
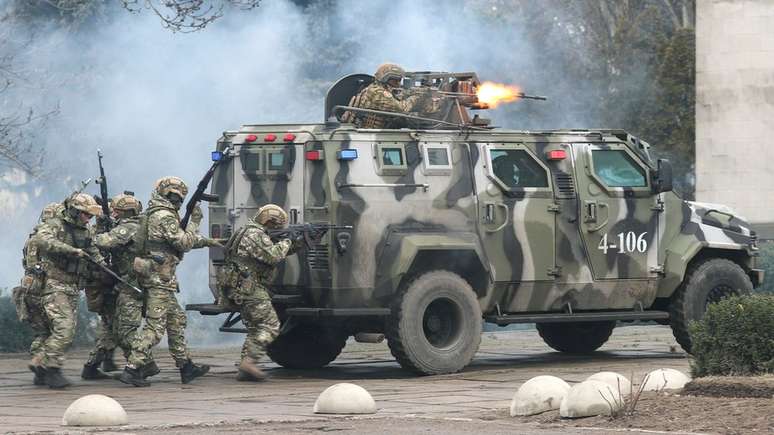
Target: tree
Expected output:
[188,15]
[17,121]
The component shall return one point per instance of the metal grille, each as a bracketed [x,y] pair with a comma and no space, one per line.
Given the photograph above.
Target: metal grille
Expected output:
[317,257]
[565,184]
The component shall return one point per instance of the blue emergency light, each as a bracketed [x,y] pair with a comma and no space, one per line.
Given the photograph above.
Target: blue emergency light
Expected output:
[217,156]
[348,154]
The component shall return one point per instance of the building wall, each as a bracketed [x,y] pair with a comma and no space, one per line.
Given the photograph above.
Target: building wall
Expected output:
[735,107]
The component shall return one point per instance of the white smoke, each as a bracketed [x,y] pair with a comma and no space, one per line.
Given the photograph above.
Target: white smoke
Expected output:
[156,102]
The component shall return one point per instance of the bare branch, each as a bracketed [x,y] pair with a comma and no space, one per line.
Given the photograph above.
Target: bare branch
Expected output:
[186,16]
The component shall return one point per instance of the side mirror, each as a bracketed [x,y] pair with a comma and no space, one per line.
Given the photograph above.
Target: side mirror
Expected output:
[663,179]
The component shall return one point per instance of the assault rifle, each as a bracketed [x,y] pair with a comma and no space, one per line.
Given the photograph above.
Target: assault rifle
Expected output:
[110,272]
[310,233]
[104,201]
[199,195]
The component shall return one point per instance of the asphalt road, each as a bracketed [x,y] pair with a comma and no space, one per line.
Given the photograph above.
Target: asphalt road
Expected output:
[475,400]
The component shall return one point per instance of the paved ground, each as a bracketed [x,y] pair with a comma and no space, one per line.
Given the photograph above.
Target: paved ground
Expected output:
[452,403]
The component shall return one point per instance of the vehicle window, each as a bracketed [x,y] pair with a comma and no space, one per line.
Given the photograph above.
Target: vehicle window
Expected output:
[437,157]
[517,169]
[276,161]
[252,162]
[392,157]
[617,169]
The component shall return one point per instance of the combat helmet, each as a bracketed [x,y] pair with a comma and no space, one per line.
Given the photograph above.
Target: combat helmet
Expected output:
[166,185]
[271,215]
[387,72]
[125,202]
[83,203]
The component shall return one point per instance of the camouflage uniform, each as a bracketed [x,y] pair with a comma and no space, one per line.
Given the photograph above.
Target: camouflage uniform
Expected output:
[121,312]
[163,243]
[251,260]
[379,96]
[27,296]
[60,241]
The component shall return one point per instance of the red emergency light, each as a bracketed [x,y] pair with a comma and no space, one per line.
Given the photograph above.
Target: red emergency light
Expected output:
[289,137]
[270,137]
[314,155]
[251,138]
[557,155]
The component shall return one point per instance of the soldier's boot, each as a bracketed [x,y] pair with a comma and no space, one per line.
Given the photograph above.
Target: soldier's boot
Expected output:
[92,372]
[55,379]
[38,370]
[108,365]
[150,369]
[190,371]
[249,372]
[132,376]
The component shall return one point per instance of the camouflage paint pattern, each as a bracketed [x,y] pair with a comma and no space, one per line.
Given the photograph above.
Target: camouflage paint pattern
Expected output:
[542,248]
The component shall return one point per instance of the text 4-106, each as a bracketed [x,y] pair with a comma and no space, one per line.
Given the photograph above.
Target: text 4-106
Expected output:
[625,243]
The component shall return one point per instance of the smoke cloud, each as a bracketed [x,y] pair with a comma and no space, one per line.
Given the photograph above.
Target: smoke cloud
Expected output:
[156,102]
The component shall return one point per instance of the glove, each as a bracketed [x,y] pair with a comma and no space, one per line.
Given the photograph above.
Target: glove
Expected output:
[196,215]
[212,243]
[80,253]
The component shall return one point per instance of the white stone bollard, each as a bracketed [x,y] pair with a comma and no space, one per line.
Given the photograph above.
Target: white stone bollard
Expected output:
[345,398]
[665,379]
[539,394]
[95,410]
[590,398]
[619,382]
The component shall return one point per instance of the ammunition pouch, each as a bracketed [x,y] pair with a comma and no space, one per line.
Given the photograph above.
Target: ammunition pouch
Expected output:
[228,277]
[19,296]
[142,267]
[94,299]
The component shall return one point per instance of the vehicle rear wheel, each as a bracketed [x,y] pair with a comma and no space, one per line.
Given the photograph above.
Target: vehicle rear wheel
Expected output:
[705,282]
[436,323]
[307,347]
[575,337]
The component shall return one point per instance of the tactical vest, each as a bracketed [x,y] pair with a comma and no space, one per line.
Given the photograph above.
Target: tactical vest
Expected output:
[143,246]
[123,256]
[67,268]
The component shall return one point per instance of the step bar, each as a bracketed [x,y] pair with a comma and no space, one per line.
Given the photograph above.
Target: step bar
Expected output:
[599,316]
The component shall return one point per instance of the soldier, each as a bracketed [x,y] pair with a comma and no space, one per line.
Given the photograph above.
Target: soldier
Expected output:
[380,95]
[26,297]
[160,244]
[63,243]
[116,242]
[251,260]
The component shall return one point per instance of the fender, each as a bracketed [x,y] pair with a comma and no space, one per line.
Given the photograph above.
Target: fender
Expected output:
[403,251]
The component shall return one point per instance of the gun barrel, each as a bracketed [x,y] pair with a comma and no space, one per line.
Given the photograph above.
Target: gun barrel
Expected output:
[532,97]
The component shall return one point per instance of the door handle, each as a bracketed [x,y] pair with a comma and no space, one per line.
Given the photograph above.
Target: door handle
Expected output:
[590,214]
[293,215]
[602,224]
[505,222]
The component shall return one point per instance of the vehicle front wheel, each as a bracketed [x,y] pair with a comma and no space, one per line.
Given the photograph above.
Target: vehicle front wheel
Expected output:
[706,282]
[575,337]
[435,325]
[307,347]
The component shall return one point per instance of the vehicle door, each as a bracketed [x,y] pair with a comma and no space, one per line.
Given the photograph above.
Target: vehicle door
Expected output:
[271,174]
[515,221]
[619,214]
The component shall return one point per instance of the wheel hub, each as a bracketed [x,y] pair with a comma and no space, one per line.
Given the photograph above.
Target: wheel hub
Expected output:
[442,323]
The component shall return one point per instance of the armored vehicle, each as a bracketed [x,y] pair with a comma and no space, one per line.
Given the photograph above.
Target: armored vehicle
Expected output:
[455,223]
